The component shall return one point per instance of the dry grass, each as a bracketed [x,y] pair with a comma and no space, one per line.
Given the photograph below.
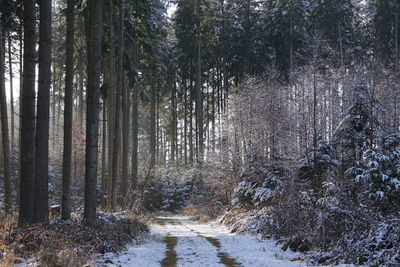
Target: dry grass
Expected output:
[63,243]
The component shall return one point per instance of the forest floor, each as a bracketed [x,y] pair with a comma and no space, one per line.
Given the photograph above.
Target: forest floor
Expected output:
[181,241]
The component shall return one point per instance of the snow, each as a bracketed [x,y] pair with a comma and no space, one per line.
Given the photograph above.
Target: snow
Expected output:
[194,248]
[147,252]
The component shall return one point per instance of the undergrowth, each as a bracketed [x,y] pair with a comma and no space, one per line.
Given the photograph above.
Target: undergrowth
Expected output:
[65,243]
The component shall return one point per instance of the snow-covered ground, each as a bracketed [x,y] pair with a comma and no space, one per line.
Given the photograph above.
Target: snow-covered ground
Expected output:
[199,245]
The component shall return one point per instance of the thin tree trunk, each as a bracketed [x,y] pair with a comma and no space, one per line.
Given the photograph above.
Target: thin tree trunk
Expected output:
[118,90]
[11,93]
[191,148]
[125,122]
[125,138]
[173,124]
[199,95]
[81,100]
[21,56]
[111,98]
[94,36]
[27,164]
[53,104]
[152,134]
[68,102]
[104,154]
[135,115]
[185,123]
[4,128]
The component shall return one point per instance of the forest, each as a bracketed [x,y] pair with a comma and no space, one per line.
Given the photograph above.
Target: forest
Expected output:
[199,133]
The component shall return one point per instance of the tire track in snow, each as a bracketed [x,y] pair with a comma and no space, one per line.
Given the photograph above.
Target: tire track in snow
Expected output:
[224,257]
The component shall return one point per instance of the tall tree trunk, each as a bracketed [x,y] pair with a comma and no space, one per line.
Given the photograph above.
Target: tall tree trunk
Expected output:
[53,104]
[4,128]
[135,115]
[125,139]
[12,115]
[21,63]
[152,134]
[199,101]
[68,102]
[27,164]
[111,97]
[191,148]
[185,123]
[94,36]
[118,90]
[41,202]
[124,95]
[81,100]
[173,123]
[104,154]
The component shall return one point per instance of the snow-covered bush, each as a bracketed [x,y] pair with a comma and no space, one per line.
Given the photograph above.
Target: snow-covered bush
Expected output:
[319,165]
[260,186]
[380,173]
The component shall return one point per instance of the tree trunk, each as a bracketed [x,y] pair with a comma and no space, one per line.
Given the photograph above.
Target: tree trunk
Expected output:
[104,155]
[125,122]
[94,36]
[152,134]
[199,101]
[4,128]
[135,115]
[111,98]
[41,208]
[21,62]
[118,90]
[81,100]
[185,123]
[12,126]
[68,102]
[27,164]
[173,124]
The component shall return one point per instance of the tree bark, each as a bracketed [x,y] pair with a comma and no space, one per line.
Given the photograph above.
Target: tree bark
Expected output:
[173,121]
[94,38]
[135,115]
[118,90]
[124,95]
[199,100]
[4,128]
[68,103]
[111,98]
[41,208]
[27,164]
[152,134]
[12,115]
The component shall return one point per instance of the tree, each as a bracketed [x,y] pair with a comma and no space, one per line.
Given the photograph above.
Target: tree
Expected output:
[41,207]
[27,164]
[68,105]
[94,28]
[4,127]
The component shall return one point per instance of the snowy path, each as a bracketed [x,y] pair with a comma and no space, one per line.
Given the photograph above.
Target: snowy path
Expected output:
[180,241]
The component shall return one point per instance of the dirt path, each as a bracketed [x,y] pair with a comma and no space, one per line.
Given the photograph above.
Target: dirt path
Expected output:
[180,241]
